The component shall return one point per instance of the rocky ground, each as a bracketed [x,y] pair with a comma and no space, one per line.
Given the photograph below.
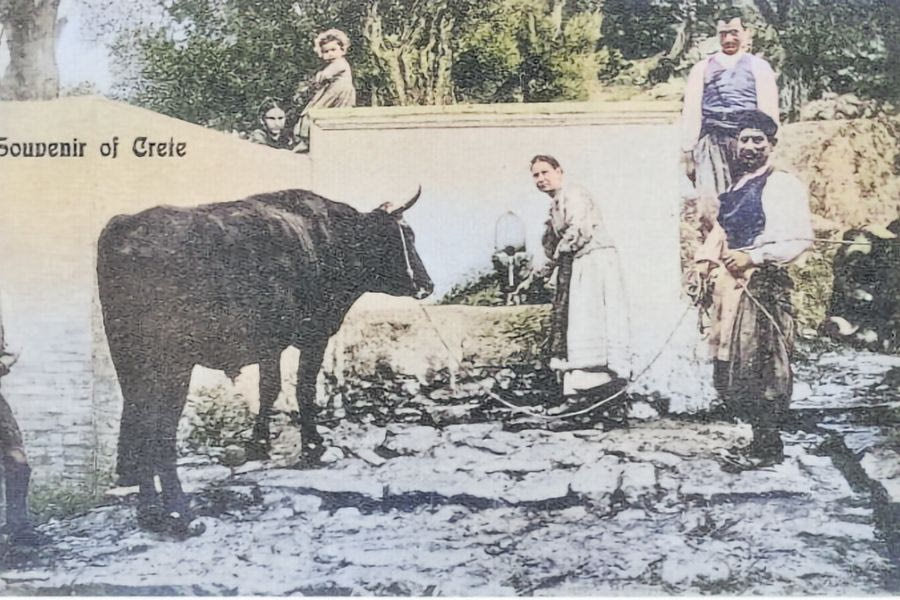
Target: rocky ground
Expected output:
[447,492]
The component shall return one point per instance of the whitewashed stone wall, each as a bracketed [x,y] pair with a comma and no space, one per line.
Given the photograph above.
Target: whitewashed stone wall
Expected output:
[472,163]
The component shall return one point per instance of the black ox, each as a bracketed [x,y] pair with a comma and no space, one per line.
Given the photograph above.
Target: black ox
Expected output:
[865,301]
[227,285]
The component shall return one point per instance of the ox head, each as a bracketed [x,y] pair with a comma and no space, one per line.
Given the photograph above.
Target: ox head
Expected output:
[392,256]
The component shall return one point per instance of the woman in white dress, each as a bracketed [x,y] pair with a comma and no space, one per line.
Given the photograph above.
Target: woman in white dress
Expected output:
[589,340]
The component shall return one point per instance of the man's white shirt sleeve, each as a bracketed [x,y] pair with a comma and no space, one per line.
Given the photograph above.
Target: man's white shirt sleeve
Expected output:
[788,231]
[766,88]
[691,114]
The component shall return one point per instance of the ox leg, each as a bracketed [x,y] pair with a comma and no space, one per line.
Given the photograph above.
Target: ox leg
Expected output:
[269,386]
[310,362]
[172,398]
[150,512]
[135,457]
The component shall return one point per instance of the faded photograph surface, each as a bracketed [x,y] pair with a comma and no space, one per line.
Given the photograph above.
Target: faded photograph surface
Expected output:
[496,298]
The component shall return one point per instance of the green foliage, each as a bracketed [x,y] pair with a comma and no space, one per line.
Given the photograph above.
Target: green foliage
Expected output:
[530,332]
[481,289]
[61,499]
[813,279]
[487,66]
[215,61]
[838,47]
[640,29]
[216,419]
[529,50]
[637,28]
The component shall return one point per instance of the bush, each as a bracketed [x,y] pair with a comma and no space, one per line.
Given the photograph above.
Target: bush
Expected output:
[529,331]
[813,281]
[480,289]
[215,419]
[59,499]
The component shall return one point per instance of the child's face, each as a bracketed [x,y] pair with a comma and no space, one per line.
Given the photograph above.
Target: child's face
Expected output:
[273,121]
[331,51]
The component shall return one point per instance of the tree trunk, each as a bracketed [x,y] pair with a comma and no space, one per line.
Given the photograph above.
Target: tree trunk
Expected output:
[30,30]
[389,58]
[416,58]
[556,16]
[892,45]
[680,45]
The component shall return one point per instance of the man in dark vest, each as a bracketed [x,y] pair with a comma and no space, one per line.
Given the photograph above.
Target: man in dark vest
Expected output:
[16,471]
[718,88]
[763,224]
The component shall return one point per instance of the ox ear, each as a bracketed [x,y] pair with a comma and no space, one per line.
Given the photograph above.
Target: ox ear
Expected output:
[398,212]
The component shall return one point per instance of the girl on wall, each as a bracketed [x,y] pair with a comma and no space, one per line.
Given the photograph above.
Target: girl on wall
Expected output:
[589,328]
[271,131]
[332,87]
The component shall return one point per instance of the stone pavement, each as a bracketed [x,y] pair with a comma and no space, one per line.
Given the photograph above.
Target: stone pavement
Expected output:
[472,509]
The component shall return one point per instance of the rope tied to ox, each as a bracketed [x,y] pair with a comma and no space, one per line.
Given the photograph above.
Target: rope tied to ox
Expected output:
[698,289]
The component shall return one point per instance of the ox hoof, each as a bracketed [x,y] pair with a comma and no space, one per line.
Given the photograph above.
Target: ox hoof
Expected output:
[152,518]
[179,525]
[310,460]
[305,463]
[155,519]
[26,535]
[256,450]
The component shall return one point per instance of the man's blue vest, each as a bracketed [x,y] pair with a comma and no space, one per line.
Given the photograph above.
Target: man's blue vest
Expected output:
[741,213]
[726,91]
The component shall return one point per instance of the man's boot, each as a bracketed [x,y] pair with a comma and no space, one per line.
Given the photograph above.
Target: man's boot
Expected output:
[18,524]
[766,449]
[766,446]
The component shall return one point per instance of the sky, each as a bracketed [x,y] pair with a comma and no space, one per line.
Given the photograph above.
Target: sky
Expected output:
[79,57]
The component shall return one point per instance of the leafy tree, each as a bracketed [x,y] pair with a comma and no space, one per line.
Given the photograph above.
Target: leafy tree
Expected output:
[641,29]
[401,48]
[837,47]
[212,61]
[528,50]
[817,46]
[411,44]
[216,60]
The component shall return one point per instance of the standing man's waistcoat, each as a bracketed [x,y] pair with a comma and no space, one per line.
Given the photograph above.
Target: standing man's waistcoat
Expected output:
[741,213]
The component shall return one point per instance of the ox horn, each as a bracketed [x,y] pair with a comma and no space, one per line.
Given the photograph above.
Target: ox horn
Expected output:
[408,204]
[880,231]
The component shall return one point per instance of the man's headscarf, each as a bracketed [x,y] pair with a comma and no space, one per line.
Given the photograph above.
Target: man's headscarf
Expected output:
[756,119]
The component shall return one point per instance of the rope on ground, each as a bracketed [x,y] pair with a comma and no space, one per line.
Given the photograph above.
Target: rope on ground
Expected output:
[592,407]
[439,336]
[642,372]
[820,241]
[781,337]
[599,403]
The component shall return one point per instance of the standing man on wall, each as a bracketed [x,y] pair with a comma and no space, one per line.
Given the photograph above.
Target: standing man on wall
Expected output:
[763,224]
[719,87]
[16,471]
